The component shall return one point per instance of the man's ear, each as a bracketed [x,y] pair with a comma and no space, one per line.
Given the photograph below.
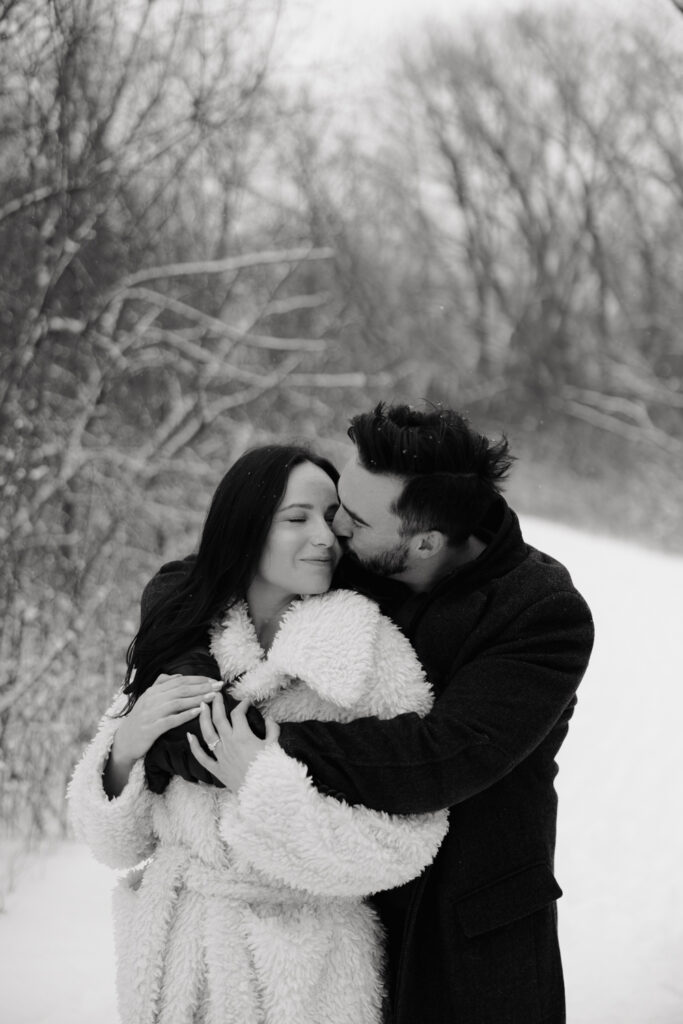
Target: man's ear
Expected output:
[426,545]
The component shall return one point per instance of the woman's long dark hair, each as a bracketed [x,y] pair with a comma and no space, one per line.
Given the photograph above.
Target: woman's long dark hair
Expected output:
[232,540]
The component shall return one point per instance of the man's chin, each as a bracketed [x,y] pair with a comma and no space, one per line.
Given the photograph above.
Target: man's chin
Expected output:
[350,556]
[378,565]
[353,561]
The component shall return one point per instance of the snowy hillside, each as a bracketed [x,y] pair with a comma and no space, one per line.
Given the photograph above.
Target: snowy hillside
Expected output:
[620,842]
[620,847]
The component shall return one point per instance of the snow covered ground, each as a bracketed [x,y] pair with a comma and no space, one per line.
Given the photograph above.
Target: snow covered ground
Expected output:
[620,845]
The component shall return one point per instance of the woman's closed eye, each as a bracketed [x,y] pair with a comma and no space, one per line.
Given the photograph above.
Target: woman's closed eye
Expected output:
[305,517]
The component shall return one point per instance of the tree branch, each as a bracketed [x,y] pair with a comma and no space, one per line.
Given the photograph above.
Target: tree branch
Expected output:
[38,195]
[220,328]
[341,380]
[229,265]
[614,425]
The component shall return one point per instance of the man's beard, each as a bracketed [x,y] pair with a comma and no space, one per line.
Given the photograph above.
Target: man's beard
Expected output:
[389,563]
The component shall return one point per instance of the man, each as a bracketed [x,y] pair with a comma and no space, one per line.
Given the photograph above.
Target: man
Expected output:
[505,639]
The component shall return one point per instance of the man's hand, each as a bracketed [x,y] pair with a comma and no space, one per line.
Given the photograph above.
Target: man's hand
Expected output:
[231,742]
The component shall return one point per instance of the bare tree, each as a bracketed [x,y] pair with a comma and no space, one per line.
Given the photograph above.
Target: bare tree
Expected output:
[160,310]
[133,319]
[557,142]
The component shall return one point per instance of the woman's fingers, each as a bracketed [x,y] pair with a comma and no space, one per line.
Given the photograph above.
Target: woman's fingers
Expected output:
[238,718]
[220,718]
[153,729]
[182,716]
[272,730]
[175,693]
[189,685]
[211,737]
[171,707]
[238,723]
[195,746]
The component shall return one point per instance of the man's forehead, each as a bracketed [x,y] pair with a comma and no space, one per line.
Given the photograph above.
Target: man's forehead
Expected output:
[372,490]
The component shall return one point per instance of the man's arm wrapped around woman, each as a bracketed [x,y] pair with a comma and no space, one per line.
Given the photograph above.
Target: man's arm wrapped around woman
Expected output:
[282,825]
[336,657]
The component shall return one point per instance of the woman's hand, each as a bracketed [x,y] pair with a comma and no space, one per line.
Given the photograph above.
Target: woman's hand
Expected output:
[169,701]
[232,743]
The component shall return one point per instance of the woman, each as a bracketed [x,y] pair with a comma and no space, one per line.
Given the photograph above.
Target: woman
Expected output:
[250,909]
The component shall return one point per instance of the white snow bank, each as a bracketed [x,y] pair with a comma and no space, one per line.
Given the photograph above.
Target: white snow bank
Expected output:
[56,948]
[620,843]
[620,837]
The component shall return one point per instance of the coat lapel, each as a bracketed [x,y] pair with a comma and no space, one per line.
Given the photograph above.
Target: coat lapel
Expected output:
[234,643]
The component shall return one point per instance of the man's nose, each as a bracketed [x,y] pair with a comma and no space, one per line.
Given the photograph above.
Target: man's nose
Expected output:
[341,524]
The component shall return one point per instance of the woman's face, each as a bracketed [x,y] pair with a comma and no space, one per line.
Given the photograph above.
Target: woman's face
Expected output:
[301,551]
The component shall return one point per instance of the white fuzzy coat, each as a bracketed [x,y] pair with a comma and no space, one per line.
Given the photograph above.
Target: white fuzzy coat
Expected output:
[248,908]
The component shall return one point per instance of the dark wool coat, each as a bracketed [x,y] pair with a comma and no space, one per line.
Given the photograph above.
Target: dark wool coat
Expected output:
[505,642]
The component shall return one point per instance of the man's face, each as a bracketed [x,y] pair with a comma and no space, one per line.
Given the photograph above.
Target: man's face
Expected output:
[365,524]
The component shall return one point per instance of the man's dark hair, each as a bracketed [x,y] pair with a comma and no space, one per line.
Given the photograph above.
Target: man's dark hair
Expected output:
[452,473]
[230,548]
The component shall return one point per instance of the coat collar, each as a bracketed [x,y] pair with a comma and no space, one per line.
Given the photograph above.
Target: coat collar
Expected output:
[234,643]
[505,549]
[328,641]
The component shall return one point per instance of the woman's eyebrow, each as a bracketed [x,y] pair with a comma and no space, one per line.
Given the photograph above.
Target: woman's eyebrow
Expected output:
[307,505]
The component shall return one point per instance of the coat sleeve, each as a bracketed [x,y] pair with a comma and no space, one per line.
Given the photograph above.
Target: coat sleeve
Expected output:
[118,831]
[283,826]
[494,710]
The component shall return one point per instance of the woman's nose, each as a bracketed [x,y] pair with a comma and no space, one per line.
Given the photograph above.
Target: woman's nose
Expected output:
[324,536]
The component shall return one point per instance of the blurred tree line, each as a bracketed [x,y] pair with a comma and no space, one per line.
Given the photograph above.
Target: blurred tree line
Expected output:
[195,256]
